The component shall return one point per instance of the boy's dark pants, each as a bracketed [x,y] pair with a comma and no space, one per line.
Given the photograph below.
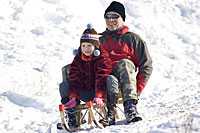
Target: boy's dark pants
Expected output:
[64,88]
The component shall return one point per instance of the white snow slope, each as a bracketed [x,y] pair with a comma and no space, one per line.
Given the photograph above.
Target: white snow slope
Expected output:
[37,38]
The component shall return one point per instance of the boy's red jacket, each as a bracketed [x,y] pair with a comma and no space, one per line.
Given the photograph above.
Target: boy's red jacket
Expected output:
[89,75]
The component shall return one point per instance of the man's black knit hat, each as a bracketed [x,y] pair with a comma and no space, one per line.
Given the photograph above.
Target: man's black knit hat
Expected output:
[116,7]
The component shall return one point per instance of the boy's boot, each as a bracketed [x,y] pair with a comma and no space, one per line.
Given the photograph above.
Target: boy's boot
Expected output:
[72,115]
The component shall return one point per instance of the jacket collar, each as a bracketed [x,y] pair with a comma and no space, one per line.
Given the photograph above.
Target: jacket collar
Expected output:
[117,32]
[86,58]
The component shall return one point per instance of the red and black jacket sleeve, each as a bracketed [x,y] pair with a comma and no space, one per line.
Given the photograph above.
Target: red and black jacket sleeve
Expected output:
[143,61]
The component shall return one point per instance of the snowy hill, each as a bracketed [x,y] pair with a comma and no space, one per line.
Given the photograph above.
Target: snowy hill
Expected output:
[37,38]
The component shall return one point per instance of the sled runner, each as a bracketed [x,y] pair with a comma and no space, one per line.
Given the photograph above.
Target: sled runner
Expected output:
[92,111]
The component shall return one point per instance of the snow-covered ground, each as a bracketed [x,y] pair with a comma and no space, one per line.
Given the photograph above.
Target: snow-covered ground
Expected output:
[37,38]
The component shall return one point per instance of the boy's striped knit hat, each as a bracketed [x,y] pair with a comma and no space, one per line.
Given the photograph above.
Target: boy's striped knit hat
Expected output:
[91,36]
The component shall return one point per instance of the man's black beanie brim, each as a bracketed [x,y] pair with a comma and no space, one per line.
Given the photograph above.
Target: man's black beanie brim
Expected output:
[116,7]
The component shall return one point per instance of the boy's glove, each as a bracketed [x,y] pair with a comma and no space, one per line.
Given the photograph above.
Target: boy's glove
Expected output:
[98,101]
[71,103]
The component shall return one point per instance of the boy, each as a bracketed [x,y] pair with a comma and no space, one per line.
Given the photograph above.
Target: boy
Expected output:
[87,74]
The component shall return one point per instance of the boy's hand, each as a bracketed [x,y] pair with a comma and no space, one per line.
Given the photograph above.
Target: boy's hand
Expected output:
[71,103]
[98,101]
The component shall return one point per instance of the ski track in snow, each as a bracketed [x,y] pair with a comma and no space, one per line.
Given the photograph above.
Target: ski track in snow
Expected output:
[37,38]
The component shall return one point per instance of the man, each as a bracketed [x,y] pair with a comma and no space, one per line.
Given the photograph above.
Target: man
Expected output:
[131,62]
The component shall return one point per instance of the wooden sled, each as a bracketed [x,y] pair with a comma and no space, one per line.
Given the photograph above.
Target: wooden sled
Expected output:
[90,108]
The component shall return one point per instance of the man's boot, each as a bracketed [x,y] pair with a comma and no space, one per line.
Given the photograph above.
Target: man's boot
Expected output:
[130,110]
[112,97]
[111,109]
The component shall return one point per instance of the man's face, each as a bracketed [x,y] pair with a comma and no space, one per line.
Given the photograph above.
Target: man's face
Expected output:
[113,22]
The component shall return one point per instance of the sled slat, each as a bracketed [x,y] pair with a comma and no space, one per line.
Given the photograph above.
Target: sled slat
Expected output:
[89,106]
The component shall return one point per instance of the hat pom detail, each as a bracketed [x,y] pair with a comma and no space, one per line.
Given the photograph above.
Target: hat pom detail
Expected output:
[97,53]
[89,26]
[75,52]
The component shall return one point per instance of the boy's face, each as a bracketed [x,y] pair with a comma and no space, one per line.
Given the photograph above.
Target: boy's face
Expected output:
[87,48]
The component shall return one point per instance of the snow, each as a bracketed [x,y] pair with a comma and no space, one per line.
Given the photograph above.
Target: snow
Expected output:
[37,38]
